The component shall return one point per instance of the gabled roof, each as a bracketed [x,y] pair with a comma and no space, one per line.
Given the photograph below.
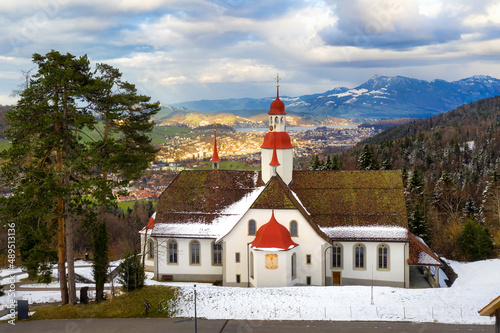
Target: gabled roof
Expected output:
[491,308]
[273,236]
[352,198]
[205,197]
[421,254]
[277,195]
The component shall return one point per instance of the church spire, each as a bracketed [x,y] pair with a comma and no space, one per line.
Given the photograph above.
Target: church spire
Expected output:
[215,157]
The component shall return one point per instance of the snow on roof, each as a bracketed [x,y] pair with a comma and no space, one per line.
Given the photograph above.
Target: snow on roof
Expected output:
[421,254]
[393,233]
[426,260]
[220,226]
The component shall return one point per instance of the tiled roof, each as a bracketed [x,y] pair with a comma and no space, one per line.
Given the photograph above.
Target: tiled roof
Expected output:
[325,199]
[421,254]
[343,198]
[202,195]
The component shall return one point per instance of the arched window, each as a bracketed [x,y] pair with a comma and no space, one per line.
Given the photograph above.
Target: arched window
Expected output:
[151,251]
[294,266]
[251,265]
[383,256]
[251,228]
[359,256]
[294,231]
[336,255]
[216,254]
[172,252]
[194,253]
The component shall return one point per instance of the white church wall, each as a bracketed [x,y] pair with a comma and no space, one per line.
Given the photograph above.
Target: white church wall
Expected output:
[309,244]
[183,270]
[277,275]
[395,275]
[285,169]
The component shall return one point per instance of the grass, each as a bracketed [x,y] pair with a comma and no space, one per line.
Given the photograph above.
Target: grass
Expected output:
[130,204]
[128,305]
[230,165]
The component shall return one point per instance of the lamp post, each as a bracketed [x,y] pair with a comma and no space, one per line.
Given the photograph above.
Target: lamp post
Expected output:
[195,317]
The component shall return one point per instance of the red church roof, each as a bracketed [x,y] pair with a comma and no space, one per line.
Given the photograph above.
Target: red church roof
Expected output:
[215,156]
[273,235]
[280,140]
[151,222]
[277,106]
[274,159]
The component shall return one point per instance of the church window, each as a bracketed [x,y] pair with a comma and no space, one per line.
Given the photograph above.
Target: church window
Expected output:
[359,256]
[237,257]
[195,252]
[172,252]
[294,266]
[216,254]
[251,228]
[336,255]
[383,256]
[308,259]
[151,253]
[308,280]
[238,278]
[294,231]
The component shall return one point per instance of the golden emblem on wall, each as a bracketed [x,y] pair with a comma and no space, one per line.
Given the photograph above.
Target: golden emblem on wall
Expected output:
[271,261]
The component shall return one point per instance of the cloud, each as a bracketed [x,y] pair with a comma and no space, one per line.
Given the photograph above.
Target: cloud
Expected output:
[393,24]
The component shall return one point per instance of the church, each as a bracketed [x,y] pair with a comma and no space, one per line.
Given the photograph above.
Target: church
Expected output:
[280,227]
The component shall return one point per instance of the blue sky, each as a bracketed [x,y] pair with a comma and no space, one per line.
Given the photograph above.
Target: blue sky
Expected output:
[181,50]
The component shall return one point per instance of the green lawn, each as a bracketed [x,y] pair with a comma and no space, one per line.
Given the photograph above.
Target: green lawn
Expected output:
[127,305]
[130,204]
[230,165]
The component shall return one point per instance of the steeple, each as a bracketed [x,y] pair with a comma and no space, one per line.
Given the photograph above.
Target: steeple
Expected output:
[215,157]
[277,149]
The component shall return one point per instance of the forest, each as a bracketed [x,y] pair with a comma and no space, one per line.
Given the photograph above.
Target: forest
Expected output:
[451,173]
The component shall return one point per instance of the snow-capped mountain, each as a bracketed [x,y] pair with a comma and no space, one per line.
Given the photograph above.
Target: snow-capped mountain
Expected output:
[379,97]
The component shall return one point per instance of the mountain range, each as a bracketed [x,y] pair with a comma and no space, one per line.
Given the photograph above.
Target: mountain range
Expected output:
[383,97]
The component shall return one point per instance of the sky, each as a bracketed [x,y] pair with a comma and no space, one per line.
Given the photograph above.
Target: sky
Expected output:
[185,50]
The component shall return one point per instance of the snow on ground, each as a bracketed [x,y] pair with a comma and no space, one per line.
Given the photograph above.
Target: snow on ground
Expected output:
[474,288]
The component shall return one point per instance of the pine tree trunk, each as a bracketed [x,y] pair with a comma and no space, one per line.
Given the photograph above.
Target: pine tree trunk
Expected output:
[61,263]
[71,261]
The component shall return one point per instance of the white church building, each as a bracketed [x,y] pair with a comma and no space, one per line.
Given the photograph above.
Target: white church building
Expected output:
[281,227]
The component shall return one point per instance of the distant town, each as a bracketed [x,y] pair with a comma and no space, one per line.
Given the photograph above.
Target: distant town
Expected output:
[243,145]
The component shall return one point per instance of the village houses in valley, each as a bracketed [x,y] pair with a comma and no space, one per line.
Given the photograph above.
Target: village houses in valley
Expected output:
[281,227]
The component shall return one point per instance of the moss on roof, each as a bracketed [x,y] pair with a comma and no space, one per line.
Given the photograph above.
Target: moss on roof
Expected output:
[339,198]
[203,194]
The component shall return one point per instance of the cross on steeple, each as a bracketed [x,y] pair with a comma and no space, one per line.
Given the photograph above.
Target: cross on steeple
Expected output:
[278,79]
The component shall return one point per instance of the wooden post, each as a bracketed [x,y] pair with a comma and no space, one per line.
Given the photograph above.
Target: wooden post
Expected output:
[497,321]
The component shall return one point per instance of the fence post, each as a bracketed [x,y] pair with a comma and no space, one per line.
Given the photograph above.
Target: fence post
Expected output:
[404,313]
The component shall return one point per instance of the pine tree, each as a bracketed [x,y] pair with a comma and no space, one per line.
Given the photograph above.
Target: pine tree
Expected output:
[55,164]
[475,241]
[367,160]
[100,259]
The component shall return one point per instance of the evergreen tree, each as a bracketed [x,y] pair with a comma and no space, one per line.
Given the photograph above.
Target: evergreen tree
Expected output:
[336,163]
[45,151]
[55,164]
[367,160]
[100,259]
[131,272]
[475,241]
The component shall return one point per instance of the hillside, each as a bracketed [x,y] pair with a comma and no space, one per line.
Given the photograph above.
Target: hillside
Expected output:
[451,169]
[382,97]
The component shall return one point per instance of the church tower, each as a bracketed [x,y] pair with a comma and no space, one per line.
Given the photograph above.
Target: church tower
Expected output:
[277,144]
